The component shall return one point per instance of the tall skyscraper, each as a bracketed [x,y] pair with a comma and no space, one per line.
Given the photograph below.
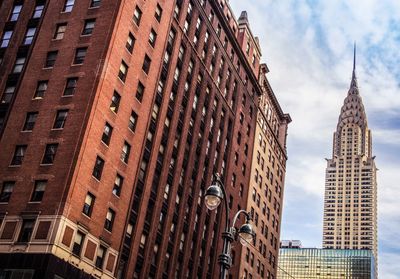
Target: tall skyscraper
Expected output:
[350,206]
[114,115]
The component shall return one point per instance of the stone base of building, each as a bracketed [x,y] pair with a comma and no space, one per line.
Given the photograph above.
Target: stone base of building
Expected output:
[38,266]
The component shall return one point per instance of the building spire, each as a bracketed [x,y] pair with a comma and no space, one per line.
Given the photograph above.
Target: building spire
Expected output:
[354,77]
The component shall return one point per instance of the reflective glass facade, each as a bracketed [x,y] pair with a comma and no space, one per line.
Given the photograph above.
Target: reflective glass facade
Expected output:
[315,263]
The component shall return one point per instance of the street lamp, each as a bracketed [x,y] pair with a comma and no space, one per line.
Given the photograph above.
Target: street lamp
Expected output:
[213,197]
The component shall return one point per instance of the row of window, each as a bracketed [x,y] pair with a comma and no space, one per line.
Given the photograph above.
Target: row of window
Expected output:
[48,157]
[36,196]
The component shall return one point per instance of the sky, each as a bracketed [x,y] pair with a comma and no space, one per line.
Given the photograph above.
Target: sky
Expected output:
[308,47]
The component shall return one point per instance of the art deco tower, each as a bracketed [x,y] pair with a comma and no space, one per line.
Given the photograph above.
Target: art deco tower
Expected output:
[350,211]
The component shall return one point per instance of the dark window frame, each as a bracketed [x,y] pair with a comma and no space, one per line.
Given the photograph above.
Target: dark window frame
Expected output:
[37,194]
[30,121]
[49,155]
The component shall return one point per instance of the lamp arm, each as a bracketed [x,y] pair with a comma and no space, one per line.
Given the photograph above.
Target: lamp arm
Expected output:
[248,217]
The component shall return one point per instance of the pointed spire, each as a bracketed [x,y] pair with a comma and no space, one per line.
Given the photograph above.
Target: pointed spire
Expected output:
[354,77]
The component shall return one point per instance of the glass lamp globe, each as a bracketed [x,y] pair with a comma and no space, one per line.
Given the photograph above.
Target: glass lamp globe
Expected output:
[246,234]
[213,197]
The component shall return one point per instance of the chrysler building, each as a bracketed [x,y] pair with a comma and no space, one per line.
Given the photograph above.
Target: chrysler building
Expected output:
[350,206]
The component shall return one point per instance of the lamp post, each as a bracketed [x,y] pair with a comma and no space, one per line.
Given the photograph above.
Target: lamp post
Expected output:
[213,197]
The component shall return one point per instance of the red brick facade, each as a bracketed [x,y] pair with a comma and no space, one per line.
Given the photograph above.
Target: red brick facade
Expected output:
[143,102]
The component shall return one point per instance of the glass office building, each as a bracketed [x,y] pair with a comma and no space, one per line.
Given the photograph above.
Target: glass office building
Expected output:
[313,263]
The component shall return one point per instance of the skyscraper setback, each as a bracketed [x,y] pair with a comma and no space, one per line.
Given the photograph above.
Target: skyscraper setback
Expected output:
[350,211]
[114,115]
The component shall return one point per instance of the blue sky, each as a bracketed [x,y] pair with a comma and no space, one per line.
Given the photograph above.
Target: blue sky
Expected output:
[308,46]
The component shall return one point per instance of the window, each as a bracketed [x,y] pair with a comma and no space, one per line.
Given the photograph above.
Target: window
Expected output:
[40,89]
[126,150]
[137,15]
[133,121]
[61,117]
[80,55]
[37,13]
[15,12]
[98,168]
[51,59]
[19,154]
[130,43]
[19,65]
[88,205]
[5,40]
[115,100]
[70,86]
[26,230]
[119,180]
[123,71]
[78,243]
[69,4]
[38,191]
[30,33]
[88,27]
[6,191]
[30,121]
[60,31]
[107,132]
[146,64]
[108,225]
[101,252]
[50,153]
[152,37]
[95,3]
[158,13]
[140,91]
[7,95]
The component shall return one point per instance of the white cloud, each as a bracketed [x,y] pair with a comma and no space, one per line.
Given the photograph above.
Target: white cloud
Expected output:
[308,48]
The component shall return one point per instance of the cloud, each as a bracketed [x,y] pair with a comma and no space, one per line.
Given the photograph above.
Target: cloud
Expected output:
[307,45]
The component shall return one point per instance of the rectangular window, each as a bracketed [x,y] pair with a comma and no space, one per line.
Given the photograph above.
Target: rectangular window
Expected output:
[30,33]
[119,180]
[15,13]
[69,4]
[158,13]
[70,86]
[19,154]
[30,121]
[8,94]
[115,100]
[60,31]
[78,243]
[133,121]
[140,91]
[80,55]
[6,191]
[98,168]
[88,27]
[107,132]
[130,43]
[88,205]
[37,13]
[123,71]
[40,89]
[51,59]
[95,3]
[5,40]
[19,65]
[38,191]
[152,37]
[126,150]
[26,230]
[61,117]
[101,252]
[108,225]
[50,153]
[137,16]
[146,64]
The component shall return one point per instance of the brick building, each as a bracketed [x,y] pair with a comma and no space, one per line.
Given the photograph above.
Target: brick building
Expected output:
[113,117]
[266,185]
